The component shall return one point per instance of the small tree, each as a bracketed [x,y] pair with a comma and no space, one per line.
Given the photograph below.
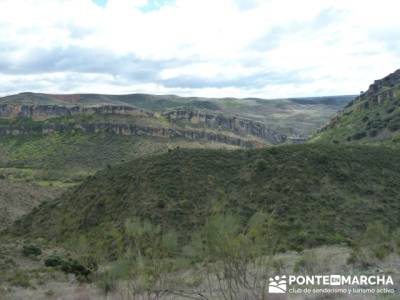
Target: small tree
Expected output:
[236,255]
[151,257]
[373,244]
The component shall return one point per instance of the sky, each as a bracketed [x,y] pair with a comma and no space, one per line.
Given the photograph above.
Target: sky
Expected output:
[206,48]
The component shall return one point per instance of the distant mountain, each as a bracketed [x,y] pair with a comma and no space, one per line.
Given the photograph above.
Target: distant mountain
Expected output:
[291,117]
[145,101]
[373,117]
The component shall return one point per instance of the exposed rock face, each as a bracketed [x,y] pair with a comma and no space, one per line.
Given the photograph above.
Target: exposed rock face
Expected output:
[192,125]
[373,117]
[389,81]
[381,90]
[222,122]
[40,112]
[132,130]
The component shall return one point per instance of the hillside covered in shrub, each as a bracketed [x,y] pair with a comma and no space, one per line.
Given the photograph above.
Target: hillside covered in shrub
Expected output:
[313,194]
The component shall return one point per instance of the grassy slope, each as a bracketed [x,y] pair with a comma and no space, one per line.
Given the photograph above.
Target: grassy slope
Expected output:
[318,194]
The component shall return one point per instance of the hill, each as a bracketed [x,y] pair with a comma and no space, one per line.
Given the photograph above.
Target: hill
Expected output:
[316,194]
[373,117]
[297,116]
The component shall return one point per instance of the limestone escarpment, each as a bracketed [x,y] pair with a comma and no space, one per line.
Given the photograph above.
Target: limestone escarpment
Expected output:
[131,130]
[373,117]
[222,122]
[41,112]
[385,89]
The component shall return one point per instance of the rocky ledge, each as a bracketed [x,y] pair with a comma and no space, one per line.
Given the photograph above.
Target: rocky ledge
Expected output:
[132,130]
[41,112]
[234,124]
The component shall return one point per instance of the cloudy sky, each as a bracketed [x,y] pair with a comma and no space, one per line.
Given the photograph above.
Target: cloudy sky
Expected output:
[216,48]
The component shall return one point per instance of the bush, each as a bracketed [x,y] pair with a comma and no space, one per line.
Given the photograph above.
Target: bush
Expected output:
[261,166]
[359,135]
[391,109]
[376,238]
[74,267]
[373,133]
[373,245]
[394,124]
[31,250]
[68,266]
[53,261]
[305,264]
[107,282]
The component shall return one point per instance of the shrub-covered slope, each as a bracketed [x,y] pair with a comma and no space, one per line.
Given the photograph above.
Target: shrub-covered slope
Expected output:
[373,117]
[316,194]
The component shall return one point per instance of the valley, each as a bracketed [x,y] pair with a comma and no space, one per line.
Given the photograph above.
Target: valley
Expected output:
[55,141]
[127,196]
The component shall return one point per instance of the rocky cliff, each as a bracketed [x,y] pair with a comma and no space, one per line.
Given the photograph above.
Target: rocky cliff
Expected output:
[386,89]
[179,123]
[374,116]
[42,112]
[131,130]
[235,124]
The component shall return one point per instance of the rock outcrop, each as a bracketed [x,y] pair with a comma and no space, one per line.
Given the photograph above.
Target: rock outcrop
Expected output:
[182,123]
[42,112]
[131,130]
[374,116]
[222,122]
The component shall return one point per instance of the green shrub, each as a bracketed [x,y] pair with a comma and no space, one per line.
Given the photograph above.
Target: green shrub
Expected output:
[68,266]
[394,124]
[31,250]
[373,133]
[391,109]
[376,238]
[372,246]
[53,261]
[74,267]
[261,166]
[107,282]
[359,135]
[305,264]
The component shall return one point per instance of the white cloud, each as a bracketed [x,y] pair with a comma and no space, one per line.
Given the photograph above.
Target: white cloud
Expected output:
[264,48]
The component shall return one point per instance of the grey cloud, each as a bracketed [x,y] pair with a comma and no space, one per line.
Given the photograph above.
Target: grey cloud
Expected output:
[254,81]
[85,60]
[126,69]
